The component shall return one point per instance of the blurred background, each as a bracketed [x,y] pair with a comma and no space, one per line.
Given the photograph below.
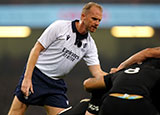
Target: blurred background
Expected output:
[128,26]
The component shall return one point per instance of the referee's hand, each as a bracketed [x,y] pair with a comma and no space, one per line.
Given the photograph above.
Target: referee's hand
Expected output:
[113,70]
[27,87]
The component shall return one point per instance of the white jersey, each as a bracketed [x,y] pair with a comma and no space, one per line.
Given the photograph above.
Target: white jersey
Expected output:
[61,54]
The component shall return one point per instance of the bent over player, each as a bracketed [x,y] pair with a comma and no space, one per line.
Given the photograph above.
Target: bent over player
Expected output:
[61,46]
[130,91]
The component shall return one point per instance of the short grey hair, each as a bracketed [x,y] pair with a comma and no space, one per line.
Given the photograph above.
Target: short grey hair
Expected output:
[88,6]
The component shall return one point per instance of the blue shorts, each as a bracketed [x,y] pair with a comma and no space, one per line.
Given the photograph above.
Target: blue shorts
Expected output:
[47,91]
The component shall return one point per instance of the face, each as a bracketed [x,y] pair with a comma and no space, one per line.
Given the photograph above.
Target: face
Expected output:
[92,19]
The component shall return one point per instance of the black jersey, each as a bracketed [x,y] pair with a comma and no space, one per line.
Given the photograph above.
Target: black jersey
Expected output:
[138,79]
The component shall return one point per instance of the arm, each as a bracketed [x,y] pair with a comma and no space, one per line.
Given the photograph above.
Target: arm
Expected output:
[96,71]
[27,81]
[97,81]
[91,84]
[96,87]
[139,57]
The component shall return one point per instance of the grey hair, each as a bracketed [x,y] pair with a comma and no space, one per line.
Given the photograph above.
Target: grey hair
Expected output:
[88,6]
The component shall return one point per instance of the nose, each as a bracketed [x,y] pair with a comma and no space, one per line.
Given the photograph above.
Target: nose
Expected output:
[97,22]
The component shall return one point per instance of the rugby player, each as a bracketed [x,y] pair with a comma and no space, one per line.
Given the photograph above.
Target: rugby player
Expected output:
[130,91]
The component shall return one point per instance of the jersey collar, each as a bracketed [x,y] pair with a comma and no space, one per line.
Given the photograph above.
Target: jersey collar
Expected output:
[79,36]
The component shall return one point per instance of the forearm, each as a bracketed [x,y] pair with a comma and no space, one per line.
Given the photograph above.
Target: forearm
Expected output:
[91,84]
[141,56]
[96,71]
[31,63]
[33,57]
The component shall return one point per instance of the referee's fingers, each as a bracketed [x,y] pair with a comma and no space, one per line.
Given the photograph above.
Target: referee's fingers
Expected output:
[31,89]
[26,87]
[113,70]
[25,90]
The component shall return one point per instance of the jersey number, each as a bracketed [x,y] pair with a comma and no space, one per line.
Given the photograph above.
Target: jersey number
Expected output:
[132,71]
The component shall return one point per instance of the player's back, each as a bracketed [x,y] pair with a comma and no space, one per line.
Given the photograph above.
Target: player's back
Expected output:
[137,79]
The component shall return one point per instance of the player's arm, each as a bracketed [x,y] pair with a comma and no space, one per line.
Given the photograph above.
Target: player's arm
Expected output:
[139,57]
[91,84]
[27,82]
[97,87]
[96,71]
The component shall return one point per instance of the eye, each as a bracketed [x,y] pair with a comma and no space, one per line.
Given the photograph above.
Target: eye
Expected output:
[95,19]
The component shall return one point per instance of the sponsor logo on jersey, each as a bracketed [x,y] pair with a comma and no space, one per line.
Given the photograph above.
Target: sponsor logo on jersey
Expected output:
[84,46]
[68,36]
[69,54]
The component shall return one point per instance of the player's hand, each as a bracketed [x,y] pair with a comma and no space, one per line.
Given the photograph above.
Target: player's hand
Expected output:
[27,87]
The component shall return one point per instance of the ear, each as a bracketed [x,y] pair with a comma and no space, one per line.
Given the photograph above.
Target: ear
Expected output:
[83,16]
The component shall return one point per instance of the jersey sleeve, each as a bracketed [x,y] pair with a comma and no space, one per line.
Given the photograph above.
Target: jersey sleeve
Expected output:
[50,34]
[91,56]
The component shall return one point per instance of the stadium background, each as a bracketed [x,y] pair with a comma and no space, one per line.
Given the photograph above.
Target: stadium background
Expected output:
[14,52]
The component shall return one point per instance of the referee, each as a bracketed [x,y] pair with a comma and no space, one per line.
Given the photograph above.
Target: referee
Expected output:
[61,46]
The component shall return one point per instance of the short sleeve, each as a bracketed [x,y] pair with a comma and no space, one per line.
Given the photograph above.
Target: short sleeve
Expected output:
[49,35]
[91,56]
